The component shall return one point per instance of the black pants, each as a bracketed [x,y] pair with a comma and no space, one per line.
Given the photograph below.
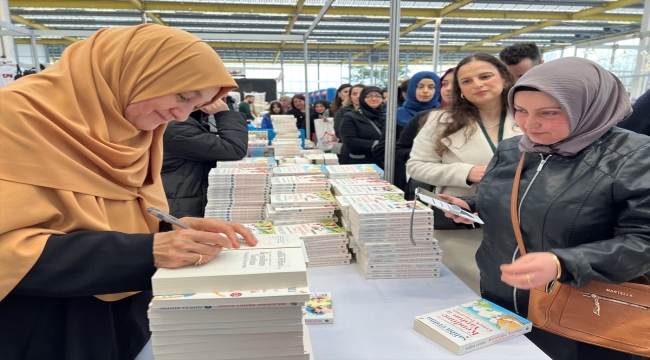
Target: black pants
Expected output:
[561,348]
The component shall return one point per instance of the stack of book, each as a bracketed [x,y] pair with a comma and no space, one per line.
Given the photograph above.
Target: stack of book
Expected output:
[347,190]
[354,171]
[292,161]
[285,127]
[299,184]
[239,195]
[298,170]
[381,230]
[250,162]
[258,144]
[287,147]
[326,159]
[287,209]
[344,202]
[325,242]
[245,304]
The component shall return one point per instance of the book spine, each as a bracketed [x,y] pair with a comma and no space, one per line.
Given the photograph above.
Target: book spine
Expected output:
[320,258]
[481,343]
[435,265]
[405,260]
[405,255]
[400,276]
[162,307]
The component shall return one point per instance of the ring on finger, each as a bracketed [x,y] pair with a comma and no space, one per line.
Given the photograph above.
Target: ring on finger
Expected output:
[200,261]
[528,277]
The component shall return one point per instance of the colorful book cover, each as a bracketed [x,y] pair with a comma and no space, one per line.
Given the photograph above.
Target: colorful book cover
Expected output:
[324,229]
[229,172]
[335,171]
[258,135]
[292,181]
[249,162]
[363,210]
[299,170]
[318,309]
[305,199]
[261,228]
[230,299]
[346,190]
[358,182]
[471,326]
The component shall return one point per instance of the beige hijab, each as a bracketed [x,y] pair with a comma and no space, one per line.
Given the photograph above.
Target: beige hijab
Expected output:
[70,160]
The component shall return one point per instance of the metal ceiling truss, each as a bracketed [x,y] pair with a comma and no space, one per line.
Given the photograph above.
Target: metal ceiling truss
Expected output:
[343,31]
[287,10]
[580,15]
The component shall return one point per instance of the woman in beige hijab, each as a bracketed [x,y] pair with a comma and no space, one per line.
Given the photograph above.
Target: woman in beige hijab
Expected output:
[81,152]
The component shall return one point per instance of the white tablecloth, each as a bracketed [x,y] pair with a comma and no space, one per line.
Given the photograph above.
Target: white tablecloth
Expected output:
[373,319]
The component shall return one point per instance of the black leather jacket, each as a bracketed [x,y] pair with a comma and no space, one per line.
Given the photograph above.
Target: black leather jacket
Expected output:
[592,210]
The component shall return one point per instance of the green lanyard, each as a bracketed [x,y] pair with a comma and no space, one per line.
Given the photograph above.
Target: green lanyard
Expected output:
[487,136]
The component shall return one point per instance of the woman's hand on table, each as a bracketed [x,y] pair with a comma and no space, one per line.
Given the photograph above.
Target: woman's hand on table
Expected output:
[183,247]
[457,202]
[530,271]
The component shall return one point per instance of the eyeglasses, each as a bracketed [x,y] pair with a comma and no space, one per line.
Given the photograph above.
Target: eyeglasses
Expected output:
[368,97]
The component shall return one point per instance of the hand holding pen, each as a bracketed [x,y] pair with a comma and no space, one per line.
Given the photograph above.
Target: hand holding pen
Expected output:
[195,241]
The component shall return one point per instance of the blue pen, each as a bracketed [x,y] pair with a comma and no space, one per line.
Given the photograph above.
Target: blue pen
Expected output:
[167,218]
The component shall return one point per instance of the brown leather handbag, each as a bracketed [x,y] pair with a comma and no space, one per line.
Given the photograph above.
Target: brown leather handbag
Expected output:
[614,316]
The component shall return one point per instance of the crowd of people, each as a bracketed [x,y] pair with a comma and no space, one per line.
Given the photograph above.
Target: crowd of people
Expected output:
[85,151]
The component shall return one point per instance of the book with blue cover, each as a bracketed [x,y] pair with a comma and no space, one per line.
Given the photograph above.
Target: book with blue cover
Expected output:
[471,326]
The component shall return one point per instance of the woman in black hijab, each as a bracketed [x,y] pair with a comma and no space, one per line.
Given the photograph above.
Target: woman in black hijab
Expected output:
[363,128]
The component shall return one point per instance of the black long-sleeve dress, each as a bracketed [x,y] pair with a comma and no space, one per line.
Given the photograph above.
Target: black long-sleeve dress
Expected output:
[52,313]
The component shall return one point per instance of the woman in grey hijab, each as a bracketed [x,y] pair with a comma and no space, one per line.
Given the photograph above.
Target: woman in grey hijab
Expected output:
[584,195]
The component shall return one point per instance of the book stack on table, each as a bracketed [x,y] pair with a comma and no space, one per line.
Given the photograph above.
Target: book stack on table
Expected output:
[211,312]
[239,195]
[248,163]
[326,242]
[289,209]
[347,190]
[326,159]
[286,147]
[300,184]
[285,127]
[344,209]
[298,170]
[381,230]
[292,161]
[354,171]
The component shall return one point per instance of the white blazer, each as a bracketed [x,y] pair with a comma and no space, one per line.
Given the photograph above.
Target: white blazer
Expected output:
[449,171]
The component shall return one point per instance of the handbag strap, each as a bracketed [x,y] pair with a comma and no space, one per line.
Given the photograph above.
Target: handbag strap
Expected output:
[513,206]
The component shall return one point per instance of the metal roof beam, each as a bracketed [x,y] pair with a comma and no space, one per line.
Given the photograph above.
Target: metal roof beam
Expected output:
[575,16]
[418,24]
[154,17]
[292,21]
[274,46]
[12,29]
[318,18]
[34,25]
[607,39]
[312,10]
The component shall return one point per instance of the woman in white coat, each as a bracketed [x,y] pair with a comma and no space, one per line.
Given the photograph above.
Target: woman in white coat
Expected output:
[455,145]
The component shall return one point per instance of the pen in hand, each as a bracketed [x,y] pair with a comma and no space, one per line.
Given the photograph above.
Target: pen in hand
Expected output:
[167,218]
